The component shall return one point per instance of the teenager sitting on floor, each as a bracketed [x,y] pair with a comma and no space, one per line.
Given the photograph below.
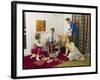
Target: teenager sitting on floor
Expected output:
[62,39]
[37,50]
[74,53]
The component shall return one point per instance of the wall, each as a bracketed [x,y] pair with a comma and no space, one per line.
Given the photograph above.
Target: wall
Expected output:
[52,20]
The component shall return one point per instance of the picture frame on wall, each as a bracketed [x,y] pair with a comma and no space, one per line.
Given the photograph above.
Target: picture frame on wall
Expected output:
[50,39]
[40,25]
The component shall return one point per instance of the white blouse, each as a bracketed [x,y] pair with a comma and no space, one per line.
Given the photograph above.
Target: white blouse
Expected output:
[37,44]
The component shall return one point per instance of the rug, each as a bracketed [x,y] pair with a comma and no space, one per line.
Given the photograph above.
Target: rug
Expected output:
[29,63]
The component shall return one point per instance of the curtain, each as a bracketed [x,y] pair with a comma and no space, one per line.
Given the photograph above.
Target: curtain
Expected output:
[83,22]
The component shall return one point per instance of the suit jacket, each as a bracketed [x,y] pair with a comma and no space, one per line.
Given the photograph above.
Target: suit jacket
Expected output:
[74,28]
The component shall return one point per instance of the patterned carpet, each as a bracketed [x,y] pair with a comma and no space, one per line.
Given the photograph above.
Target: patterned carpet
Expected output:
[33,64]
[60,61]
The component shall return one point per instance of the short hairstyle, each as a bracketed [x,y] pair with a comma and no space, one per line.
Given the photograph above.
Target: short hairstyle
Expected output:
[67,19]
[52,29]
[37,36]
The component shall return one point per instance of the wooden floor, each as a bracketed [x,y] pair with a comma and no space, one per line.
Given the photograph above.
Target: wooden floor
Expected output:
[86,62]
